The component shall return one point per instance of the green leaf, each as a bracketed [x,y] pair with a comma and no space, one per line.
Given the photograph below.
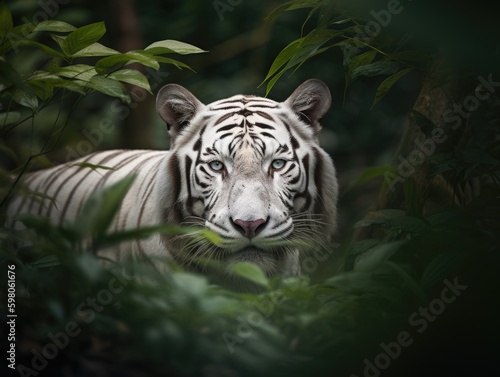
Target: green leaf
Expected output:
[387,84]
[130,57]
[211,236]
[9,118]
[297,53]
[82,72]
[23,30]
[277,11]
[47,262]
[440,267]
[77,86]
[298,58]
[95,49]
[54,26]
[289,6]
[46,49]
[169,46]
[26,98]
[43,83]
[372,258]
[273,81]
[44,75]
[410,282]
[83,37]
[17,34]
[6,24]
[44,228]
[251,272]
[305,54]
[176,63]
[191,285]
[109,87]
[379,68]
[283,57]
[101,207]
[59,39]
[366,282]
[131,76]
[357,62]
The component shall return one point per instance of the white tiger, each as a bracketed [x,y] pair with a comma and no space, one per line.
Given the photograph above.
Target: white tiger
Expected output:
[248,168]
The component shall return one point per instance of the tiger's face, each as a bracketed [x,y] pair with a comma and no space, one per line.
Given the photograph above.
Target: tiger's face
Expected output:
[250,170]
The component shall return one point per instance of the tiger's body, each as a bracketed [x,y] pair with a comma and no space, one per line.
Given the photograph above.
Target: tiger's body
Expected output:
[248,168]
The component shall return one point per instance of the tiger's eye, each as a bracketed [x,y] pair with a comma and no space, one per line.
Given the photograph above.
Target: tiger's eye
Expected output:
[216,165]
[278,164]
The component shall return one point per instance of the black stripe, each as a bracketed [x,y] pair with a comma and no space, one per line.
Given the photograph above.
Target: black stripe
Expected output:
[197,144]
[152,178]
[241,100]
[229,127]
[263,126]
[318,180]
[223,118]
[225,135]
[290,168]
[264,115]
[145,198]
[77,186]
[305,194]
[52,178]
[226,108]
[122,163]
[175,178]
[267,134]
[64,182]
[189,202]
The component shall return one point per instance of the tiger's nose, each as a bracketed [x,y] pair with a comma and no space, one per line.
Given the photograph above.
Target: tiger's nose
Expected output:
[249,228]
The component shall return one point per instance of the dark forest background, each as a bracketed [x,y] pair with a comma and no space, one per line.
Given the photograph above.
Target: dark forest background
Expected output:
[413,131]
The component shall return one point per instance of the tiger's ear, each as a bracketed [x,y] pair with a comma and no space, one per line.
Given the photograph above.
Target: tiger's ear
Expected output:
[310,101]
[176,106]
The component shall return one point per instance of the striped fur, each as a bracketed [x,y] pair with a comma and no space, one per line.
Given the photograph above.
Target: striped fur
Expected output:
[248,168]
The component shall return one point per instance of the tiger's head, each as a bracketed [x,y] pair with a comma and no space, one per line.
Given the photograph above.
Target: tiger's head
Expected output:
[251,170]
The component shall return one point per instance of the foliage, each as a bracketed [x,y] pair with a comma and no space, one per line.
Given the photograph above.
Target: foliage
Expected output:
[364,55]
[25,94]
[179,322]
[64,70]
[126,318]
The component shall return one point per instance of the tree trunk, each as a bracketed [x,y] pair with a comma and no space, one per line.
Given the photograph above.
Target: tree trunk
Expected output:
[413,187]
[136,128]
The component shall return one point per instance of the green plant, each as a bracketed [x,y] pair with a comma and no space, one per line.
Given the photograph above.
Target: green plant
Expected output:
[71,60]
